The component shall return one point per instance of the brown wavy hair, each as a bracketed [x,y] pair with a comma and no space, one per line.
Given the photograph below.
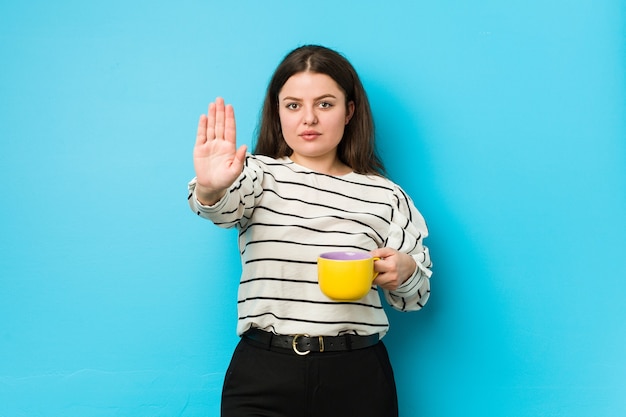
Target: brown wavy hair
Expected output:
[357,147]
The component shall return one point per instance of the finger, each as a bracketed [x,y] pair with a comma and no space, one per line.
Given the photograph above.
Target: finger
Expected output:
[201,133]
[380,280]
[230,127]
[210,129]
[381,266]
[388,283]
[241,154]
[219,118]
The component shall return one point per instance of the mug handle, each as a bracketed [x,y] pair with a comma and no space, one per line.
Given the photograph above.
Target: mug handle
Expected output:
[375,258]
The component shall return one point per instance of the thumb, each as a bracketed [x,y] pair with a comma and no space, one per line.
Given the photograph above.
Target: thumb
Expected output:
[240,156]
[382,252]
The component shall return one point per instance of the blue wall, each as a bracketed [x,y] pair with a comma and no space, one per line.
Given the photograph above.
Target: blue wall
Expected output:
[506,121]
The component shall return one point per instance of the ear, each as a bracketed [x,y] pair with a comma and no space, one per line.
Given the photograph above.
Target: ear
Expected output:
[349,111]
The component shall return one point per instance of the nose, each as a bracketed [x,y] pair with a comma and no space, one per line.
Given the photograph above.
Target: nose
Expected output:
[309,116]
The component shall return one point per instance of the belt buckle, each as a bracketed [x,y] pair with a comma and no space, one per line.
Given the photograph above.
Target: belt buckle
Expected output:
[294,344]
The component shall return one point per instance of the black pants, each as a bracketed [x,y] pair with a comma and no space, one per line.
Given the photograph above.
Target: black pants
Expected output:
[278,383]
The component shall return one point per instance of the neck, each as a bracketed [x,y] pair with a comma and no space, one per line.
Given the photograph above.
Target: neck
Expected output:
[325,166]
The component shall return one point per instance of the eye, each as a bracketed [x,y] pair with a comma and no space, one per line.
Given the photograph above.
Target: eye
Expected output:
[292,106]
[325,105]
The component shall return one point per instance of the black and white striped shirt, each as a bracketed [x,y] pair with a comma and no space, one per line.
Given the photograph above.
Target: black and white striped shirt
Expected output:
[287,215]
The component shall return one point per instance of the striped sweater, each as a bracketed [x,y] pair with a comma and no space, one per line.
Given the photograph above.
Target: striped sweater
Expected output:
[286,216]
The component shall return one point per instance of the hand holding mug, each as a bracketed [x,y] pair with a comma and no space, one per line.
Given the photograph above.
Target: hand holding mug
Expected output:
[394,268]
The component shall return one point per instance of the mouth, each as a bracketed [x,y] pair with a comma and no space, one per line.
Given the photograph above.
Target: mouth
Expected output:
[309,134]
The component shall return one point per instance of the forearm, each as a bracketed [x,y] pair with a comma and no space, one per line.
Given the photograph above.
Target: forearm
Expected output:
[226,208]
[413,294]
[207,196]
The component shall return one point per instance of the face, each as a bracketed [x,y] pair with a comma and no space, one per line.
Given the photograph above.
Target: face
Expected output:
[313,116]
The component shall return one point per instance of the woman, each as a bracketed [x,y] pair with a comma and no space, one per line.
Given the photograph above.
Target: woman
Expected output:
[313,184]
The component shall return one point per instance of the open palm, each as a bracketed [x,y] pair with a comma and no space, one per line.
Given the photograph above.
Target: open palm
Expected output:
[216,159]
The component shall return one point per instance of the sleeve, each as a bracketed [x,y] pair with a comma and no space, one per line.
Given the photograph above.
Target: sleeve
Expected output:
[235,208]
[406,234]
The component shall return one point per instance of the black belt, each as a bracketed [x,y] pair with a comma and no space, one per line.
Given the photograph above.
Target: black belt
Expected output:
[303,344]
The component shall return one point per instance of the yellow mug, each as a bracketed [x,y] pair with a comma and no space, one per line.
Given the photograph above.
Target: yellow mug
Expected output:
[346,276]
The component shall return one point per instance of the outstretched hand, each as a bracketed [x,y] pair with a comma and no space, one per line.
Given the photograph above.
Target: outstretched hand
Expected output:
[216,159]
